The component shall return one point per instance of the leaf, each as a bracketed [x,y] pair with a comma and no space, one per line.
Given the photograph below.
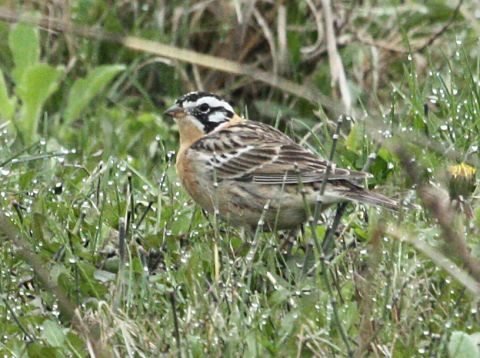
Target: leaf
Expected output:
[352,142]
[24,45]
[85,89]
[53,333]
[104,276]
[461,345]
[37,350]
[37,84]
[7,104]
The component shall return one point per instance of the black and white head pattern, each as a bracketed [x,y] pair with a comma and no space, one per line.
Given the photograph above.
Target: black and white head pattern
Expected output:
[208,109]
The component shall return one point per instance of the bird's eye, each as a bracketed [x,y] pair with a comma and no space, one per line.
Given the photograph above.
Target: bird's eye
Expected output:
[204,107]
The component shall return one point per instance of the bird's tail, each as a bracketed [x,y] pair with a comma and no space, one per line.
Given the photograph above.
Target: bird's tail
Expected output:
[353,192]
[367,197]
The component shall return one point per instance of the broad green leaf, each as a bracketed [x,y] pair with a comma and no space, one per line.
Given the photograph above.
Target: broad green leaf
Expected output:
[39,350]
[53,333]
[7,104]
[352,142]
[24,45]
[38,83]
[85,89]
[461,345]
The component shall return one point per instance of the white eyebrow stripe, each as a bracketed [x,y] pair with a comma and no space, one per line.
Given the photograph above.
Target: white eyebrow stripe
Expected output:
[214,102]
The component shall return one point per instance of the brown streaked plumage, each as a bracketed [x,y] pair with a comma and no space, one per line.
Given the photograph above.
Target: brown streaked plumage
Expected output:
[249,171]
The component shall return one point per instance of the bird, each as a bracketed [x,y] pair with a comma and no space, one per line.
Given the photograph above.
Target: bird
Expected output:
[251,174]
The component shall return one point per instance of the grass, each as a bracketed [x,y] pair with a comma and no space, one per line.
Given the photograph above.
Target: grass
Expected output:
[103,253]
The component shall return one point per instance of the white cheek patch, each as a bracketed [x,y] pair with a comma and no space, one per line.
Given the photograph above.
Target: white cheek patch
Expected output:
[213,102]
[217,117]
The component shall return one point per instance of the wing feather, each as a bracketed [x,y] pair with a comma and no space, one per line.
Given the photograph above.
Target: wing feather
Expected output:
[263,154]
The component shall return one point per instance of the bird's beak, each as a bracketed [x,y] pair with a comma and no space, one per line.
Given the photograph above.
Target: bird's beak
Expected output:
[174,111]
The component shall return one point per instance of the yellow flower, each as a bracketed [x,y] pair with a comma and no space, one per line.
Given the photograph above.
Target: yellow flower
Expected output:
[462,171]
[462,180]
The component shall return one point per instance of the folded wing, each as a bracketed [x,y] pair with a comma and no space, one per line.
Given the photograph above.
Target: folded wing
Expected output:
[253,151]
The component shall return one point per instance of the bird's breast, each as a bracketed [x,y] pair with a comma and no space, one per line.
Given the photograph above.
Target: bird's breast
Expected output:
[195,178]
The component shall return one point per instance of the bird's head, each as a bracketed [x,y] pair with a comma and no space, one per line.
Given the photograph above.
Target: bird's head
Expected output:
[200,111]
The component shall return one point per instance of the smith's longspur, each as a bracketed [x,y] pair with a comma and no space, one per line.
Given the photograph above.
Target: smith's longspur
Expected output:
[247,171]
